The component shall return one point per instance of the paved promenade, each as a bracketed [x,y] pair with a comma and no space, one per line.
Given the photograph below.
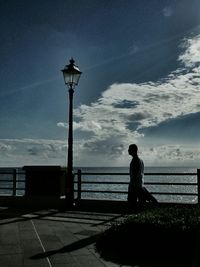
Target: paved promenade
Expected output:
[51,238]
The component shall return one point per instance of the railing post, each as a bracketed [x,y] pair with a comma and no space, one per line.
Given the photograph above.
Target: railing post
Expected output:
[198,185]
[14,182]
[79,185]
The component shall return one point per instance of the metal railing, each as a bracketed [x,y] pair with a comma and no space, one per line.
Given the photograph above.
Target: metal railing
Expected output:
[80,182]
[11,181]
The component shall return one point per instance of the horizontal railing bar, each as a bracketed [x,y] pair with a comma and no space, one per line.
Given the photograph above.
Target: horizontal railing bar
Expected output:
[103,173]
[170,174]
[126,183]
[9,173]
[20,188]
[148,173]
[18,173]
[108,173]
[96,182]
[173,193]
[19,180]
[10,182]
[99,191]
[119,173]
[168,183]
[11,189]
[6,188]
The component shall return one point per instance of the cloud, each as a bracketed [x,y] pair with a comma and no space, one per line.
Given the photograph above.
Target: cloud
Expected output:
[122,113]
[157,102]
[5,148]
[20,152]
[87,126]
[172,155]
[167,11]
[62,124]
[191,56]
[133,49]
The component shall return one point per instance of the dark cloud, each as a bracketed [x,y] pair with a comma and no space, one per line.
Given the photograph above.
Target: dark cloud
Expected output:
[112,147]
[139,116]
[153,97]
[183,128]
[126,104]
[132,125]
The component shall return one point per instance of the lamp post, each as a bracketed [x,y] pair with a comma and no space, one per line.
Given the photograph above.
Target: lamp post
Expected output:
[71,75]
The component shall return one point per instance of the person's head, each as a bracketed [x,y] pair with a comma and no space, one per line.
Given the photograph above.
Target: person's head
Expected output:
[133,149]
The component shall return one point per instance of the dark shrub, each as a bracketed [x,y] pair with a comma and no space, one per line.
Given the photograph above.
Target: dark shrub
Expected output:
[160,237]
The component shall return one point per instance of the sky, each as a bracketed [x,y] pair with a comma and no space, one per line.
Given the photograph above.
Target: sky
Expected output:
[140,82]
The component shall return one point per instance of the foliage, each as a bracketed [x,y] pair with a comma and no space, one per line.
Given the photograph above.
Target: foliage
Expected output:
[165,233]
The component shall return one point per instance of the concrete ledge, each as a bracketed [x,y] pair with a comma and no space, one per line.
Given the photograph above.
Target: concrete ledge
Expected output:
[32,201]
[56,202]
[118,206]
[103,205]
[93,205]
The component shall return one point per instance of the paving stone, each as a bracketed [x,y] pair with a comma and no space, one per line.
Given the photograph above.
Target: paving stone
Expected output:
[89,261]
[10,249]
[11,260]
[63,258]
[63,239]
[35,263]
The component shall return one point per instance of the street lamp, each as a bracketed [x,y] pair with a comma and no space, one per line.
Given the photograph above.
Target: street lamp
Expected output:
[71,75]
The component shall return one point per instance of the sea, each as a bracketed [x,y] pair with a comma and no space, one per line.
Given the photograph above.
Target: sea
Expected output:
[110,176]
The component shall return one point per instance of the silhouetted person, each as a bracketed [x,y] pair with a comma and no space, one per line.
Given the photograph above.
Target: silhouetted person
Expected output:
[137,193]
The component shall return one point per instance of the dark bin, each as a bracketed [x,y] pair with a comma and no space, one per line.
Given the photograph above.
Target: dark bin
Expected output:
[44,180]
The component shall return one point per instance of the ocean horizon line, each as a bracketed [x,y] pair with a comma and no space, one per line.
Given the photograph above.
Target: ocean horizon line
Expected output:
[145,167]
[103,167]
